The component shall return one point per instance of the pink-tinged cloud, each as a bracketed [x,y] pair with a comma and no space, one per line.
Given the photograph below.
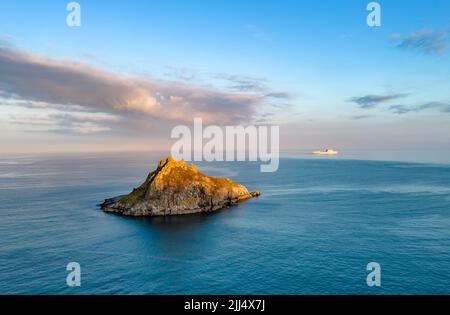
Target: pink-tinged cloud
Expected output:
[25,76]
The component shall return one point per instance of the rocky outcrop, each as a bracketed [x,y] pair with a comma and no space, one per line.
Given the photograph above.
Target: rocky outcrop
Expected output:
[176,188]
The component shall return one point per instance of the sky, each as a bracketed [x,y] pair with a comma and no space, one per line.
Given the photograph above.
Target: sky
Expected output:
[135,69]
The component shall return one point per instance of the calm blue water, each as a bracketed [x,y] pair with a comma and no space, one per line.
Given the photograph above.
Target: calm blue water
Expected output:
[314,229]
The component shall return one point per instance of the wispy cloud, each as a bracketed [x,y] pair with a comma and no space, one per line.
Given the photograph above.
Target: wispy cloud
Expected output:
[89,55]
[54,118]
[83,123]
[6,41]
[181,74]
[249,84]
[279,95]
[425,41]
[243,83]
[41,105]
[58,123]
[359,117]
[403,109]
[371,101]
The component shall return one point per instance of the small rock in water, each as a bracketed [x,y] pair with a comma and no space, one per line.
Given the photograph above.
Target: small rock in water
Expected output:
[176,188]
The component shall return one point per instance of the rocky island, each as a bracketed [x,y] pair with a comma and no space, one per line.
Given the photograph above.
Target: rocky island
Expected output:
[176,188]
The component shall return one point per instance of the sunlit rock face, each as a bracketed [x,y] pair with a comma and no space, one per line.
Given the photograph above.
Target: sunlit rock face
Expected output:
[176,188]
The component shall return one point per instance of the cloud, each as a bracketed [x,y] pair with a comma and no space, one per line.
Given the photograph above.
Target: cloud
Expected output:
[84,128]
[81,116]
[89,55]
[33,78]
[359,117]
[425,41]
[371,101]
[181,74]
[282,106]
[279,95]
[400,109]
[254,85]
[243,83]
[439,106]
[73,122]
[58,125]
[6,41]
[8,100]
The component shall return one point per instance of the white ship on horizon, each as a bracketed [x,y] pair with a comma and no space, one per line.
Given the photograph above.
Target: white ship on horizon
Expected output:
[325,152]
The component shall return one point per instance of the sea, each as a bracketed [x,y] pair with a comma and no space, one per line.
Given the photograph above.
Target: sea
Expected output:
[317,225]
